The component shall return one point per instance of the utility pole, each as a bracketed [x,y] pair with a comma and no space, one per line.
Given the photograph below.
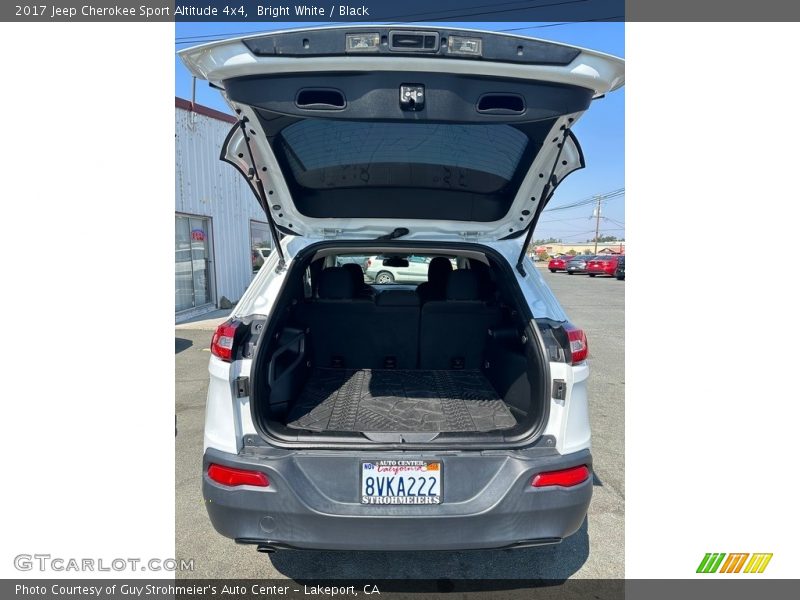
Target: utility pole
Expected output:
[597,225]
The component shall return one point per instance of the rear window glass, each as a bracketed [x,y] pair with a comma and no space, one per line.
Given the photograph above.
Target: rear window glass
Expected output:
[382,270]
[325,154]
[391,269]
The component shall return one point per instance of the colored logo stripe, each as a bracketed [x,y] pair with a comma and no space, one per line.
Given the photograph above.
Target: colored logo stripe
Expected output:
[710,563]
[733,564]
[758,563]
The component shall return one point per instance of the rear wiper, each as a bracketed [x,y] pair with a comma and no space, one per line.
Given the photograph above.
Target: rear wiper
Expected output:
[397,233]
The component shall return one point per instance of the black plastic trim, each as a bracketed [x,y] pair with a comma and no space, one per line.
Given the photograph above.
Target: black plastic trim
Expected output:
[330,41]
[485,105]
[449,97]
[271,546]
[322,101]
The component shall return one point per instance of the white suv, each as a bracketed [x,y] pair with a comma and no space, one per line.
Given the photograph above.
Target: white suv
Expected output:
[446,415]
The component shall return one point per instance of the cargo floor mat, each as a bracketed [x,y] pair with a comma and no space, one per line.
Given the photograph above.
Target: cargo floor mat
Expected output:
[399,401]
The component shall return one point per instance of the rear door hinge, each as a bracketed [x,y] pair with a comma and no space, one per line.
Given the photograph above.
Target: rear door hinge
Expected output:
[242,387]
[559,389]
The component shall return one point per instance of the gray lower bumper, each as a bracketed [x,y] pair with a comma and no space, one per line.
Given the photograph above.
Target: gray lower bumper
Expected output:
[312,502]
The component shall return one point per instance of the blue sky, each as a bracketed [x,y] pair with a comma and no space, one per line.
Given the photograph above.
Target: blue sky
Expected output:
[601,131]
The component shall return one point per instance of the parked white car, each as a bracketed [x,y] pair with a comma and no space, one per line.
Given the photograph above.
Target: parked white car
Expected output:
[413,269]
[447,420]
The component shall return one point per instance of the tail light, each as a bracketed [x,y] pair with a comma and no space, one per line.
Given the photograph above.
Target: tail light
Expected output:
[578,345]
[369,263]
[564,478]
[233,477]
[222,343]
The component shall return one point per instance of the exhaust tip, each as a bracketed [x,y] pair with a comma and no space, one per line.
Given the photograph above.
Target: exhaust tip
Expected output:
[266,548]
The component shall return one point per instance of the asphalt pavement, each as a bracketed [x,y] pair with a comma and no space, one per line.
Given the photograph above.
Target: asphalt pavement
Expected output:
[596,551]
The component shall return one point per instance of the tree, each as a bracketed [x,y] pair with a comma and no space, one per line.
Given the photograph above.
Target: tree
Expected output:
[604,239]
[571,252]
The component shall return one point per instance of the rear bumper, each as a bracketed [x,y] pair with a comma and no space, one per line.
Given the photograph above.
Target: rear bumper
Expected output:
[312,502]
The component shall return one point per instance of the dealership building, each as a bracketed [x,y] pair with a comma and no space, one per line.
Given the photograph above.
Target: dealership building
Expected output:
[221,233]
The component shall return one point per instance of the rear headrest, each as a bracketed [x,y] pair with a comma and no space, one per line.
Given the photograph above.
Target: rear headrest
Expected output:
[438,270]
[462,285]
[397,298]
[336,284]
[355,272]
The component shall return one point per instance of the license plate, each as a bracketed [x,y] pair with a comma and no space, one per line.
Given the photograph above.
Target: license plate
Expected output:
[401,482]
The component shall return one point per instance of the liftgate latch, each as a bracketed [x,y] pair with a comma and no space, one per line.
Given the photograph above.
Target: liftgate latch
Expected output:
[559,389]
[242,385]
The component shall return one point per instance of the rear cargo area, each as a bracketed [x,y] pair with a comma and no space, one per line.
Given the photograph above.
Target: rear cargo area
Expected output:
[350,359]
[386,400]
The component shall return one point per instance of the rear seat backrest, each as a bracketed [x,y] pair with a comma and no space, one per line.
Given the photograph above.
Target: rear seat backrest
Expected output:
[395,337]
[362,290]
[453,332]
[340,324]
[434,288]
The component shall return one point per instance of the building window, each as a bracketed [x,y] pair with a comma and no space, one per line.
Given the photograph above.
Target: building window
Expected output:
[192,258]
[260,243]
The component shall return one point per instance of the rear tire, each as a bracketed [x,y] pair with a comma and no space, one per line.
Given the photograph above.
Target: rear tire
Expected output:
[384,277]
[552,270]
[592,274]
[570,273]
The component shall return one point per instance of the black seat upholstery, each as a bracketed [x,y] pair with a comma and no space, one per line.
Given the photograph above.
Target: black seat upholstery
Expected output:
[362,290]
[439,270]
[453,332]
[340,324]
[486,287]
[336,284]
[395,338]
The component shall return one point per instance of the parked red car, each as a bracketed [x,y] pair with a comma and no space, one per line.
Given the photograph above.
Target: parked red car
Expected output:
[558,263]
[602,265]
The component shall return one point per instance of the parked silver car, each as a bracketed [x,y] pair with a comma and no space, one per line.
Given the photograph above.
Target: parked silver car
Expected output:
[578,264]
[386,269]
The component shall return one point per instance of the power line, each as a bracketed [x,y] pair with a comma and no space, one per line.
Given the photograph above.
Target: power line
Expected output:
[582,233]
[563,220]
[546,25]
[588,200]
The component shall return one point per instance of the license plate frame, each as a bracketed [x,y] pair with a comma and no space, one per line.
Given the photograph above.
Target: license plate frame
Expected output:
[402,466]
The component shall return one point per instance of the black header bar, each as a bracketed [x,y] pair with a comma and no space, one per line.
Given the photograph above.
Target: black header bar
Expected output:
[370,11]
